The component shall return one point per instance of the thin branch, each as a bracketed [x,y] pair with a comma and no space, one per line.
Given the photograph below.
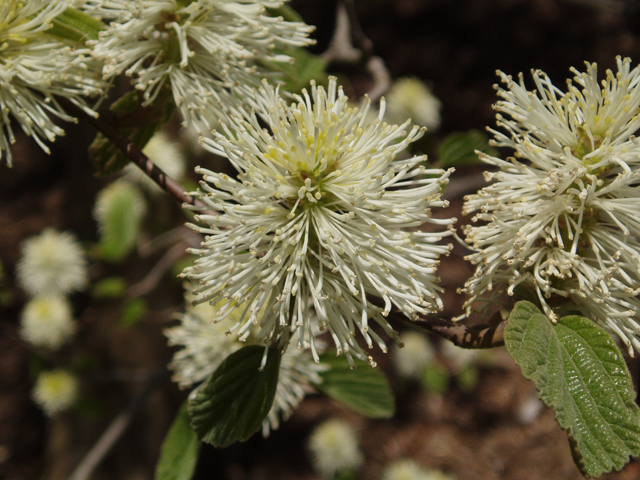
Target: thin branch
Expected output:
[461,335]
[157,272]
[341,51]
[362,42]
[133,152]
[473,337]
[115,430]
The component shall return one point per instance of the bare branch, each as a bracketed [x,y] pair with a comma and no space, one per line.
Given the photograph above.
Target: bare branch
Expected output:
[133,152]
[115,430]
[341,51]
[473,337]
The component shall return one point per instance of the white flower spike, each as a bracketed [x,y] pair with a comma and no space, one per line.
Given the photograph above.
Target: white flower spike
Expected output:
[47,321]
[410,470]
[317,219]
[203,50]
[35,68]
[414,356]
[410,98]
[55,391]
[334,448]
[52,263]
[562,215]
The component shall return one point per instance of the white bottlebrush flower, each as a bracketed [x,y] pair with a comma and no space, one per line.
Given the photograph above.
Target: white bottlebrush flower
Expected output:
[458,357]
[166,155]
[205,345]
[52,263]
[35,68]
[317,220]
[415,354]
[411,98]
[562,214]
[55,391]
[47,321]
[410,470]
[334,448]
[202,49]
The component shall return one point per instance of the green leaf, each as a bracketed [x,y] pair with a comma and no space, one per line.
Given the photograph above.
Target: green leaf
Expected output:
[111,287]
[467,378]
[435,379]
[459,148]
[76,26]
[132,312]
[581,373]
[234,401]
[364,389]
[119,210]
[179,452]
[305,67]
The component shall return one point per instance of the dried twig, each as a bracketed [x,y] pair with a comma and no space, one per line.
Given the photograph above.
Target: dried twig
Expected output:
[115,430]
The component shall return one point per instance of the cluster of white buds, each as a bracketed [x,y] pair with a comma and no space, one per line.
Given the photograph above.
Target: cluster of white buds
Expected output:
[36,69]
[561,217]
[56,391]
[334,448]
[322,215]
[206,51]
[52,265]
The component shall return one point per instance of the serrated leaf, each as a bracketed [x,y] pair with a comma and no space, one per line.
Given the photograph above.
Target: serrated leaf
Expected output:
[363,389]
[179,452]
[580,372]
[234,401]
[459,148]
[119,211]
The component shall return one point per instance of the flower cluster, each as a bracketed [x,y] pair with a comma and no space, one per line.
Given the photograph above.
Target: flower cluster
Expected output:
[203,50]
[56,391]
[316,220]
[205,346]
[562,215]
[35,68]
[52,263]
[334,448]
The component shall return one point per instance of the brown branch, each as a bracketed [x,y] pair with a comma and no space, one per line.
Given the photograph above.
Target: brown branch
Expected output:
[134,153]
[474,337]
[461,335]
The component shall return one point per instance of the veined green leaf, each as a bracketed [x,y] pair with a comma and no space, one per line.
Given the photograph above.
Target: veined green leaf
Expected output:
[76,26]
[364,389]
[580,372]
[179,452]
[234,401]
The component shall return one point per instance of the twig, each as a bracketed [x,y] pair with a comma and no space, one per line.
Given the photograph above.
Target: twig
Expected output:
[342,52]
[357,34]
[155,275]
[133,152]
[474,337]
[118,426]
